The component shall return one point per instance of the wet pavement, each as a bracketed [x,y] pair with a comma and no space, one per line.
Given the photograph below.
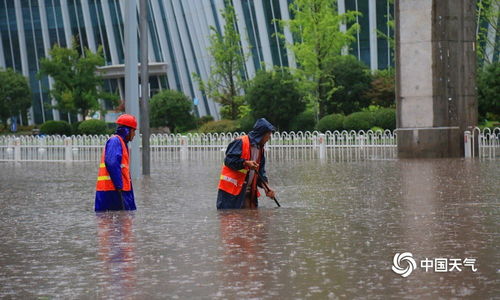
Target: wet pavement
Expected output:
[335,235]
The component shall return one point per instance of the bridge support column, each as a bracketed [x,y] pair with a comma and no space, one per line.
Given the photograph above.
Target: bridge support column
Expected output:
[435,76]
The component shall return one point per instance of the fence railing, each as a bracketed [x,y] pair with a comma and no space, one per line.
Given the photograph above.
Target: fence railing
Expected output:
[342,146]
[482,143]
[283,145]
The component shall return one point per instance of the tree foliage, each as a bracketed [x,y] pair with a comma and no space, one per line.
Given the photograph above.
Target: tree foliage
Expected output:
[318,41]
[225,81]
[353,80]
[488,86]
[77,87]
[15,94]
[173,109]
[383,88]
[305,121]
[275,96]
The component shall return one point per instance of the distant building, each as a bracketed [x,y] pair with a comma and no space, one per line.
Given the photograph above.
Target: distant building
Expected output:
[178,40]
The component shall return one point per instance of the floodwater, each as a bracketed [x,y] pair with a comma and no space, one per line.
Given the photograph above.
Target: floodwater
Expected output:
[335,235]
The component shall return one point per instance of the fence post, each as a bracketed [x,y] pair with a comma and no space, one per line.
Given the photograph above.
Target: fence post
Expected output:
[322,145]
[184,147]
[68,153]
[467,144]
[17,149]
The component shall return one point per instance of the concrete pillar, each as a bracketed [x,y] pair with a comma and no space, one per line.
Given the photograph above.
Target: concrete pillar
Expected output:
[132,82]
[435,76]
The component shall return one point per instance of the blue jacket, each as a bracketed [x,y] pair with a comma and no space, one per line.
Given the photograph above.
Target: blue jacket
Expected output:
[110,200]
[234,161]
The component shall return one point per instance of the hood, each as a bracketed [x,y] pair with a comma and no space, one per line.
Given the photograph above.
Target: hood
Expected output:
[123,132]
[261,127]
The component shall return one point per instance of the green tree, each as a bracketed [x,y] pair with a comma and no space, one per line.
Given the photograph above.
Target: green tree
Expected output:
[352,78]
[275,96]
[488,14]
[77,87]
[173,109]
[15,94]
[225,81]
[387,35]
[318,42]
[383,88]
[488,86]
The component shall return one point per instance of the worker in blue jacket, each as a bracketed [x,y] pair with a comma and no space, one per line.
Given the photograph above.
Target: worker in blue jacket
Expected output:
[244,158]
[114,187]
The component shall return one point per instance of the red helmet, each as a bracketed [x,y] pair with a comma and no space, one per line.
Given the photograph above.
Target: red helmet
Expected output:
[127,120]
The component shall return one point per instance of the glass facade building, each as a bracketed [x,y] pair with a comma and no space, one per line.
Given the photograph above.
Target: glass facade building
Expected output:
[178,36]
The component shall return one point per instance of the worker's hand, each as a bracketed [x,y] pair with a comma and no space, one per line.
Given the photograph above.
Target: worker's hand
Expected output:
[270,193]
[252,165]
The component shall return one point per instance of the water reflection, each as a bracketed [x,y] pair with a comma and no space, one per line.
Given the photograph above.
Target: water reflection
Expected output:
[335,235]
[436,223]
[116,252]
[243,236]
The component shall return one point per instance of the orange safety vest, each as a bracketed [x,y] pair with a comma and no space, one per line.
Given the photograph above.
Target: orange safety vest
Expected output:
[104,182]
[231,181]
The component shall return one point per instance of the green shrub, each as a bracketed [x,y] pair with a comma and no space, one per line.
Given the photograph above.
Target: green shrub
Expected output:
[331,122]
[56,127]
[362,120]
[219,126]
[385,118]
[246,123]
[203,120]
[304,121]
[92,127]
[383,88]
[173,109]
[74,127]
[352,80]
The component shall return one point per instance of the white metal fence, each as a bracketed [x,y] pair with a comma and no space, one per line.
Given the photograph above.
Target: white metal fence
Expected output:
[336,146]
[283,145]
[482,143]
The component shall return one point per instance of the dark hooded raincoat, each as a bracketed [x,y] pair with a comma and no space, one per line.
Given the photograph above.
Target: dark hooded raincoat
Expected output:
[234,161]
[110,200]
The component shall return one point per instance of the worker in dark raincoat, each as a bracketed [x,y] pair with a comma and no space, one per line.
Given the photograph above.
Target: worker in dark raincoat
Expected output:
[114,187]
[244,157]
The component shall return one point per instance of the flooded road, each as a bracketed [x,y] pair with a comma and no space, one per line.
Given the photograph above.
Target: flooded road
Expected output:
[335,235]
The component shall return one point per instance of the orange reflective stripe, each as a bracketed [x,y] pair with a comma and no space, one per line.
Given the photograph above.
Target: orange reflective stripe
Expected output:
[104,182]
[231,181]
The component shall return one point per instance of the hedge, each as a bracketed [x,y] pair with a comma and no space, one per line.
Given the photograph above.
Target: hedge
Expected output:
[92,127]
[362,120]
[56,127]
[219,126]
[385,118]
[331,122]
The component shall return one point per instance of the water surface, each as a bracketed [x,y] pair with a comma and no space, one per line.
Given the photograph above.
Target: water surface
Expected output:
[334,237]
